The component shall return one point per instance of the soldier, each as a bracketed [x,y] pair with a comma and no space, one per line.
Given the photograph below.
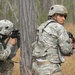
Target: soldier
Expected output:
[6,47]
[52,43]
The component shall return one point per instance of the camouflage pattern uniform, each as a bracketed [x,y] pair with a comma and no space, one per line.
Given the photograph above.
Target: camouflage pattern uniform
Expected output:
[51,45]
[6,64]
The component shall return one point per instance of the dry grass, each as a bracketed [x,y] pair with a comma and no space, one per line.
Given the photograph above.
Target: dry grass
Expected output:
[16,59]
[68,68]
[70,28]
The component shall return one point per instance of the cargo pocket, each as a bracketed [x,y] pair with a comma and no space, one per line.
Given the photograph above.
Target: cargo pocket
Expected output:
[57,69]
[39,49]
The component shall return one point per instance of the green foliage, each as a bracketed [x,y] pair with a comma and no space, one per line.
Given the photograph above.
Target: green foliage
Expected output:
[41,12]
[37,5]
[9,13]
[43,17]
[70,6]
[58,1]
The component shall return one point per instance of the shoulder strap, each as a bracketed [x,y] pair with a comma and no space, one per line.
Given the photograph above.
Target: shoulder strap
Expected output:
[48,23]
[41,30]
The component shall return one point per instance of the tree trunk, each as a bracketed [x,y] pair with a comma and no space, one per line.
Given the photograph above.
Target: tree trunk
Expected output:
[27,30]
[54,2]
[4,6]
[62,2]
[74,13]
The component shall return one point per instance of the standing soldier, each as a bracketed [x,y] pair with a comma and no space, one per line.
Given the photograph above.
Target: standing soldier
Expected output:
[52,43]
[7,51]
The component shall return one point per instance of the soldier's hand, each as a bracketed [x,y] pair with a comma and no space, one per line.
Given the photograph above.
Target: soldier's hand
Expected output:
[71,40]
[12,41]
[74,45]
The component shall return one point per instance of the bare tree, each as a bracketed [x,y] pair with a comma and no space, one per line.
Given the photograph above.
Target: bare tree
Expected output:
[62,1]
[54,2]
[4,11]
[27,30]
[74,13]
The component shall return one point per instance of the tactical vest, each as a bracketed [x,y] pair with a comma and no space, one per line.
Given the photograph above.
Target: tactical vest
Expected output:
[39,48]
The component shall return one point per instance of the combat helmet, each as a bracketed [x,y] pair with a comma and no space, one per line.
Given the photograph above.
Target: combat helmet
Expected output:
[6,27]
[57,9]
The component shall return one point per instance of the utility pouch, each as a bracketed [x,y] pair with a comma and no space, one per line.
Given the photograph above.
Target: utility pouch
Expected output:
[39,50]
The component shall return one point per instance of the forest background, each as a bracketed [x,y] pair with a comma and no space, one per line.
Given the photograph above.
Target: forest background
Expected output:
[34,12]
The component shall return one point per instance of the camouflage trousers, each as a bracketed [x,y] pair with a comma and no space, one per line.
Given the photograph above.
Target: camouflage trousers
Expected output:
[46,68]
[6,67]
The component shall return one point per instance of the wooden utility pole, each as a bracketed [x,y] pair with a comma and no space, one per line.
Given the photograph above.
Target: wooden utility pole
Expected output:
[27,30]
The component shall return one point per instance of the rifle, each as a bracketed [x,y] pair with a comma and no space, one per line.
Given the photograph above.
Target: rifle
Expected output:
[71,36]
[16,34]
[13,34]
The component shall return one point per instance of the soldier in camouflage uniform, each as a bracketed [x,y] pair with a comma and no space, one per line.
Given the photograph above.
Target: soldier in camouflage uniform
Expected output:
[6,64]
[52,43]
